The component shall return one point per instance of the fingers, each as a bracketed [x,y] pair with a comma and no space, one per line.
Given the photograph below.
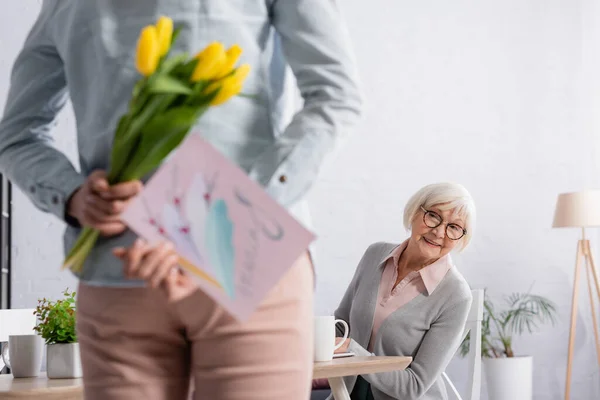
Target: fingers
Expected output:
[100,205]
[152,259]
[157,264]
[166,266]
[111,228]
[170,283]
[122,191]
[120,252]
[92,214]
[106,207]
[178,285]
[134,258]
[96,216]
[150,264]
[98,182]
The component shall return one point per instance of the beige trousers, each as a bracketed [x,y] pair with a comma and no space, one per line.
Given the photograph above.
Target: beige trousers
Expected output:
[135,345]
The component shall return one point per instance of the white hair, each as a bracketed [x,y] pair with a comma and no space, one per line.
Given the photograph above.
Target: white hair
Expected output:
[445,196]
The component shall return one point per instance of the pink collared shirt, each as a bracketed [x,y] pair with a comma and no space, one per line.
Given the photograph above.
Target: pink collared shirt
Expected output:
[415,283]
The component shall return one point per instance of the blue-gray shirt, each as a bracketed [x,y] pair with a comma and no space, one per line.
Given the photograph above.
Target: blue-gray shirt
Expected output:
[85,50]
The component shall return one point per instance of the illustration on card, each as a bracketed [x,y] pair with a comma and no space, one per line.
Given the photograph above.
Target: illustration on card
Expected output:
[202,228]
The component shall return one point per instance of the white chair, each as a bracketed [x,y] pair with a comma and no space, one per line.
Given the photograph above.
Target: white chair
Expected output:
[473,325]
[15,322]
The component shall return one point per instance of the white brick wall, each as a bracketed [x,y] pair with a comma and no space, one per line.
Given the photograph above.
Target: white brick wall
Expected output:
[497,95]
[37,237]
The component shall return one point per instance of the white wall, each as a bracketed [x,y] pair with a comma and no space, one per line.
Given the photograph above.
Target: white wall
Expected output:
[489,94]
[496,95]
[37,237]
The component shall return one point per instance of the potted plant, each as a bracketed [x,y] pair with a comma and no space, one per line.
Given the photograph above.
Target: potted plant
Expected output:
[509,376]
[56,325]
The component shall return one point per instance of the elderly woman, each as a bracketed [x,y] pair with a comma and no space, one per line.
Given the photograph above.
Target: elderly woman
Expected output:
[409,299]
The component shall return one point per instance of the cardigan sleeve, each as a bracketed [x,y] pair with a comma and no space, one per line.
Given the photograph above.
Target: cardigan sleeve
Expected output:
[343,310]
[433,356]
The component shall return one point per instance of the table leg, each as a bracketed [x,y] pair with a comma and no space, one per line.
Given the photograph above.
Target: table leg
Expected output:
[339,389]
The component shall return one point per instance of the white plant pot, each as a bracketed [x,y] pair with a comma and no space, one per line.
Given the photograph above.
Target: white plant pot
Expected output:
[63,361]
[509,378]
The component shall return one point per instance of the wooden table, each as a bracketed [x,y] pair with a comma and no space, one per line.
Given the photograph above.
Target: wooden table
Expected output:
[42,388]
[337,368]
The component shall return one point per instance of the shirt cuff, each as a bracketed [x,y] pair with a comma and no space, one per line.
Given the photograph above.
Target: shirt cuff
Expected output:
[54,197]
[357,349]
[288,173]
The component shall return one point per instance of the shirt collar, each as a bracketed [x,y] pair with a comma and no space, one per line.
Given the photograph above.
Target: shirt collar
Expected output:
[432,274]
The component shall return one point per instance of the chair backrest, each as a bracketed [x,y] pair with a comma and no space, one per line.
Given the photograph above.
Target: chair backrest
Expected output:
[473,325]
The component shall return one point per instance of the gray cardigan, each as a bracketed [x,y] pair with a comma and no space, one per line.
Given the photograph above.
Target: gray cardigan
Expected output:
[429,329]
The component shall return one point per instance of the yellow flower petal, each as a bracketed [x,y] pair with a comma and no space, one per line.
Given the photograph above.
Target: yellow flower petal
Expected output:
[225,93]
[209,63]
[230,86]
[164,28]
[147,55]
[232,56]
[242,72]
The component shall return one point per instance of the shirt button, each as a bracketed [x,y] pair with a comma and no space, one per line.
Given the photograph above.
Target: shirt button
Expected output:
[55,199]
[32,189]
[283,179]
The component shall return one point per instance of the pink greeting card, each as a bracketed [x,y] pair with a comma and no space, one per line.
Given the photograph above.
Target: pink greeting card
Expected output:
[232,237]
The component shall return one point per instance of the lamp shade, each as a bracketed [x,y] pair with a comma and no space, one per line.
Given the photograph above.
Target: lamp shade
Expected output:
[577,209]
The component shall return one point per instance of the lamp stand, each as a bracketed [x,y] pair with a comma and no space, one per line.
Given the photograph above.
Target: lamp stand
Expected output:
[583,252]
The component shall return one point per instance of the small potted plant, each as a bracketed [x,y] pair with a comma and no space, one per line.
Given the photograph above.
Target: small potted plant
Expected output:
[56,325]
[510,376]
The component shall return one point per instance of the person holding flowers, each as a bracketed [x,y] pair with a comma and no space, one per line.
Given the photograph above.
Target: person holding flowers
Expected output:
[140,76]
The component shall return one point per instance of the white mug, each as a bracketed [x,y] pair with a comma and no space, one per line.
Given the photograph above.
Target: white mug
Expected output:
[23,355]
[325,337]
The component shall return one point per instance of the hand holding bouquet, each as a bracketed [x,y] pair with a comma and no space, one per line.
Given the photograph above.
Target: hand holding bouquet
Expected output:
[173,93]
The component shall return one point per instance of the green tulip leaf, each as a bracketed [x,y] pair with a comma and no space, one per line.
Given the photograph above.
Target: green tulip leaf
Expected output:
[161,136]
[168,84]
[172,63]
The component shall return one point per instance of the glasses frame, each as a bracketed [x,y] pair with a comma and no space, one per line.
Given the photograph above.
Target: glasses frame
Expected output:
[464,231]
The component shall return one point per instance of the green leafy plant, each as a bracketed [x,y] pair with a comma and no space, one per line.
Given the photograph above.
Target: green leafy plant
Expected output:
[524,313]
[57,319]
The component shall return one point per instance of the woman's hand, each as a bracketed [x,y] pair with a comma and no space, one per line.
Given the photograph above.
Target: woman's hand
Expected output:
[343,348]
[158,266]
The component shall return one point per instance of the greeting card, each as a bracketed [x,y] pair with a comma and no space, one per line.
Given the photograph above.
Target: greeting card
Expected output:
[232,237]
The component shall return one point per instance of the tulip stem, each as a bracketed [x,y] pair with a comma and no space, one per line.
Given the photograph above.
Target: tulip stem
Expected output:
[86,239]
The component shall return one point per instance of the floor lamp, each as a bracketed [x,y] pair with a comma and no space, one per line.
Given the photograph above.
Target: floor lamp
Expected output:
[580,210]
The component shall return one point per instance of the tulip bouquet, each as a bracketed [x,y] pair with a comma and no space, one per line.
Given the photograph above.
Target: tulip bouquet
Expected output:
[172,94]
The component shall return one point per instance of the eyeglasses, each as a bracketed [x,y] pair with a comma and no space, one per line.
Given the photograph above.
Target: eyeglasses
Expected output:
[433,220]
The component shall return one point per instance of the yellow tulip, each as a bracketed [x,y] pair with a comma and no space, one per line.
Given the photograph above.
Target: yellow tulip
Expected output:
[232,56]
[164,28]
[148,55]
[241,73]
[209,63]
[230,86]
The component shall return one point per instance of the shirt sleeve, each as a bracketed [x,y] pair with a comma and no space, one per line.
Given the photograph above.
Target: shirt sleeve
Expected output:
[433,356]
[317,48]
[38,91]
